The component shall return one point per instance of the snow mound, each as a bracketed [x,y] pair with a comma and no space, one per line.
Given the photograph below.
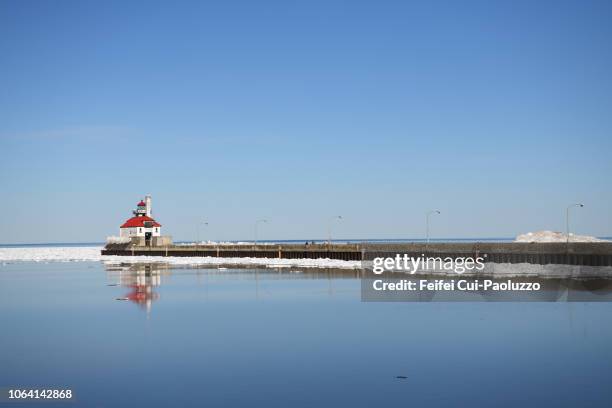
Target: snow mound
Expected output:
[118,240]
[550,236]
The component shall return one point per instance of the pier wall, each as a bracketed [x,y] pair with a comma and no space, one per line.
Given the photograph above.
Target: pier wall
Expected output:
[573,253]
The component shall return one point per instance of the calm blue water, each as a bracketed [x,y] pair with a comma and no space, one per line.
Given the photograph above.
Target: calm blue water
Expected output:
[281,338]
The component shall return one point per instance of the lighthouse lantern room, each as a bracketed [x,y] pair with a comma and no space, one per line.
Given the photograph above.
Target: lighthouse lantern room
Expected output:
[141,224]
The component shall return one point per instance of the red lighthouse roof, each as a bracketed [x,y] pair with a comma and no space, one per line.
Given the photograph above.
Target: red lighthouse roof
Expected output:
[141,204]
[140,222]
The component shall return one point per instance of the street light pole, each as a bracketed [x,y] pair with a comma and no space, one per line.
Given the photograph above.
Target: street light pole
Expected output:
[198,231]
[329,237]
[427,223]
[567,212]
[256,225]
[205,223]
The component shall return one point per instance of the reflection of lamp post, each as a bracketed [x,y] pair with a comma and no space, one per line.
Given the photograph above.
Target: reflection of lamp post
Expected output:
[567,212]
[335,217]
[256,225]
[427,223]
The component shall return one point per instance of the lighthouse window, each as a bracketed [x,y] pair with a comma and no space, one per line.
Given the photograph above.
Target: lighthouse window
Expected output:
[156,229]
[139,229]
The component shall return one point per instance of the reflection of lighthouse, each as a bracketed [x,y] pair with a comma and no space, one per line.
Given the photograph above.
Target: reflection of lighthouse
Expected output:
[142,291]
[141,279]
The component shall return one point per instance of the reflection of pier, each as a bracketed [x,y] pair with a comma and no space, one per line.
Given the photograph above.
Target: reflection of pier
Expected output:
[141,279]
[206,282]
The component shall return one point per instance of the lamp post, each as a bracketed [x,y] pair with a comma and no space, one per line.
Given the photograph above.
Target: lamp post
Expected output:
[198,231]
[329,237]
[256,225]
[427,223]
[204,224]
[567,212]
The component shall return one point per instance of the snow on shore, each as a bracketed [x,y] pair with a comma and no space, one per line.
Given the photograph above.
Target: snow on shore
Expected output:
[550,236]
[92,254]
[50,254]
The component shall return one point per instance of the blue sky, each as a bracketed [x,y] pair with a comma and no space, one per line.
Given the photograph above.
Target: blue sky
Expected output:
[496,113]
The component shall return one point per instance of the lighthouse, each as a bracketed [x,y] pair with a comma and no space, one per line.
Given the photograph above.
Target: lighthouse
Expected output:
[141,225]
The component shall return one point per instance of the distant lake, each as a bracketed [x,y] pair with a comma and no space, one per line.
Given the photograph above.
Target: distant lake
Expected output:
[279,241]
[181,336]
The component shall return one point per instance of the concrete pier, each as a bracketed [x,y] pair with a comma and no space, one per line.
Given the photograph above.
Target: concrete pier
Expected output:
[573,253]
